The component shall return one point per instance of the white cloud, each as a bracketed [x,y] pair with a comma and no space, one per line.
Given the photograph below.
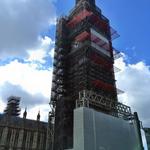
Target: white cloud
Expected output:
[27,81]
[27,76]
[27,99]
[134,79]
[42,51]
[37,55]
[51,53]
[21,23]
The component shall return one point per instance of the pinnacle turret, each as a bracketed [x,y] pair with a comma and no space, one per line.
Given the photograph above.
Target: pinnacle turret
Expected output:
[25,113]
[38,116]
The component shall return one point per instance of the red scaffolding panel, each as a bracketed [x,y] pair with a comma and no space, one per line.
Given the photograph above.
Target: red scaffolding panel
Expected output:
[96,20]
[76,19]
[103,85]
[83,36]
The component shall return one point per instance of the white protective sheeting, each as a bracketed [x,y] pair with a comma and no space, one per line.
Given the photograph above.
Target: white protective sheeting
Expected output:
[98,131]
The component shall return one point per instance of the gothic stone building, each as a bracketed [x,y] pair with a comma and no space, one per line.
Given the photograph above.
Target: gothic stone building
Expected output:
[20,133]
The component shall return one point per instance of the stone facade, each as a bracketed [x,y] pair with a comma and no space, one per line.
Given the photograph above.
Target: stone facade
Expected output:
[22,134]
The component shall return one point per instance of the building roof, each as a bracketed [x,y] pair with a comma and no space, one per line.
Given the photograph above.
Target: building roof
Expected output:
[18,122]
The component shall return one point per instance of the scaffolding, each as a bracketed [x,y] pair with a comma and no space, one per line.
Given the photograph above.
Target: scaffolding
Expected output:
[83,61]
[78,18]
[87,98]
[13,108]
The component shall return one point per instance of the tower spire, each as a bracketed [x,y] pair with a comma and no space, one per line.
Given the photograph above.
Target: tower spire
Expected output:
[92,2]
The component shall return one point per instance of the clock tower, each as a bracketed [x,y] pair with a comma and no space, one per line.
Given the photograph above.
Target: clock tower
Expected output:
[83,72]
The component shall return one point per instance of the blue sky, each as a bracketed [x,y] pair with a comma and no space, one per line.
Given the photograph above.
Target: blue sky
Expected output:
[27,40]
